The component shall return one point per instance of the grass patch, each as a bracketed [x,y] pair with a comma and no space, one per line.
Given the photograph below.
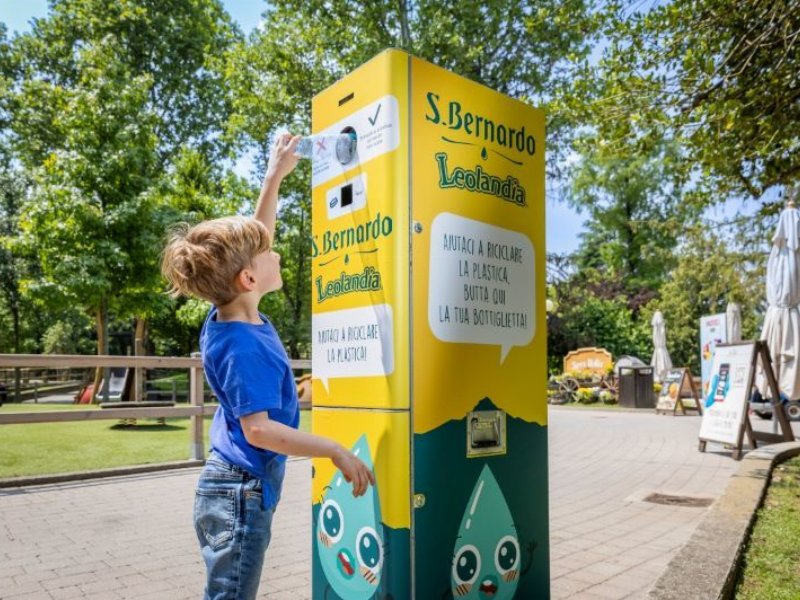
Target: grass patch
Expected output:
[47,448]
[772,559]
[164,384]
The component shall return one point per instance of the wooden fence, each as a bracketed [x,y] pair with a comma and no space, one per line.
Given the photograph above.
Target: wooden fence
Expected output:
[195,411]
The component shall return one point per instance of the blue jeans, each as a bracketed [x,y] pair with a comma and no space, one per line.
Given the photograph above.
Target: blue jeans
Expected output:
[233,528]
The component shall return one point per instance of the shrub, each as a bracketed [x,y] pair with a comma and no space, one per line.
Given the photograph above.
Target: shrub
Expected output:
[581,375]
[585,395]
[607,397]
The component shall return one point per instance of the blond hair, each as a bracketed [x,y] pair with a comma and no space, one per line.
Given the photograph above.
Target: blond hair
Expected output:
[204,260]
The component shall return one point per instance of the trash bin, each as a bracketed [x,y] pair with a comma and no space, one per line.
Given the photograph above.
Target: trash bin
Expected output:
[636,387]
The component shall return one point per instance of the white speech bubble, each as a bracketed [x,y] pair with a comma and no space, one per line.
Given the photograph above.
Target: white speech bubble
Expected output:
[481,284]
[355,342]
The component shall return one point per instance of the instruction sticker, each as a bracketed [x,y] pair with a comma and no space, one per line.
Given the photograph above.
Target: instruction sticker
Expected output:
[377,128]
[481,284]
[347,197]
[355,342]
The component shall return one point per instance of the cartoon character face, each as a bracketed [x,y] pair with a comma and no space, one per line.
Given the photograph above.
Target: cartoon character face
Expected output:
[486,558]
[349,535]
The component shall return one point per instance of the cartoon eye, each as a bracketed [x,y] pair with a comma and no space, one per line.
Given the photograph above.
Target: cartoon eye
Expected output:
[467,564]
[369,548]
[331,520]
[506,555]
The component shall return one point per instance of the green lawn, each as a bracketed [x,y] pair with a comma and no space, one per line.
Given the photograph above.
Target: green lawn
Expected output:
[46,448]
[772,559]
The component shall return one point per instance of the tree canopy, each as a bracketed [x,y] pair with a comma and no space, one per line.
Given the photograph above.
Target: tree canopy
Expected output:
[105,98]
[720,78]
[120,119]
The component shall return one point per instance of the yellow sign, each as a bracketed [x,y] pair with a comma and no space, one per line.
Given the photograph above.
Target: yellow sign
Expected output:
[596,360]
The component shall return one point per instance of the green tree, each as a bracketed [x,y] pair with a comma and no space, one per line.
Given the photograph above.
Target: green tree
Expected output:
[592,308]
[636,209]
[709,274]
[89,220]
[106,99]
[12,266]
[195,189]
[178,44]
[719,77]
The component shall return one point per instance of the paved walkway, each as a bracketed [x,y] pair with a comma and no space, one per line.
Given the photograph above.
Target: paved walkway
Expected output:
[131,537]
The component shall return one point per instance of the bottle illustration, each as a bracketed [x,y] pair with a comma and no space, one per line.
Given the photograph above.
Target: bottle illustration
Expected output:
[349,535]
[487,558]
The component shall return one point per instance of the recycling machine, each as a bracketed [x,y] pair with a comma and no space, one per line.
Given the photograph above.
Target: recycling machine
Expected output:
[429,352]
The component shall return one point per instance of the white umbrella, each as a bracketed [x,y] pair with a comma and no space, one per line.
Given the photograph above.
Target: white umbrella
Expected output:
[661,362]
[734,322]
[782,322]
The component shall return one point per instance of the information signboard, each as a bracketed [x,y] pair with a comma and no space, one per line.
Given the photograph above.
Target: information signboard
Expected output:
[678,392]
[725,403]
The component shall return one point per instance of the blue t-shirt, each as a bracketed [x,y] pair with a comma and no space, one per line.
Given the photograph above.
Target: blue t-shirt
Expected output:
[248,370]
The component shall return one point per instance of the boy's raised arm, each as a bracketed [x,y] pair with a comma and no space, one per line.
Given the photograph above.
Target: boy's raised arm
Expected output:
[282,161]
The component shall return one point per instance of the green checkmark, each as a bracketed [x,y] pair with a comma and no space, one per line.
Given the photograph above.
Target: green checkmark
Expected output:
[372,120]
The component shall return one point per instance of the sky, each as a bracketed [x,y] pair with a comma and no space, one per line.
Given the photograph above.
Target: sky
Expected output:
[563,224]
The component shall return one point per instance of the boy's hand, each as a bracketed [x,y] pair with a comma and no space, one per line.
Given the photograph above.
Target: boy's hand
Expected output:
[282,159]
[354,470]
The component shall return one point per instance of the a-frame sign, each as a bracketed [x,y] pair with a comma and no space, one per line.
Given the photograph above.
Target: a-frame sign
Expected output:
[678,393]
[726,415]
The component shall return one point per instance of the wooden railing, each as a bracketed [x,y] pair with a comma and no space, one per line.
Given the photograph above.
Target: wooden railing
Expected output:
[195,411]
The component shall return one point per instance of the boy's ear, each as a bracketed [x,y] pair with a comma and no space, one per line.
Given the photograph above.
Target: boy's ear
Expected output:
[245,281]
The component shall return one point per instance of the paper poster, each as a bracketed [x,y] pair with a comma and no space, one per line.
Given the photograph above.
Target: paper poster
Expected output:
[726,401]
[713,331]
[670,390]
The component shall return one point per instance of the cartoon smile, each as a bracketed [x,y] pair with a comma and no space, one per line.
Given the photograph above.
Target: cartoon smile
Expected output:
[488,587]
[346,563]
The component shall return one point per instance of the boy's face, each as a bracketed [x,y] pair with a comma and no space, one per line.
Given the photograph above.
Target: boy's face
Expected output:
[267,268]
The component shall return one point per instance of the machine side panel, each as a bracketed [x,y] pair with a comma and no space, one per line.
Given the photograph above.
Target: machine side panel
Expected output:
[478,341]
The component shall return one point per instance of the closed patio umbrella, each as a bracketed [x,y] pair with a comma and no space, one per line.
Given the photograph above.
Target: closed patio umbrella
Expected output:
[734,322]
[782,321]
[661,362]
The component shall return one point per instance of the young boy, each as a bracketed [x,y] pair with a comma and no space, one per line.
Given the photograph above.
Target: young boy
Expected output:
[229,262]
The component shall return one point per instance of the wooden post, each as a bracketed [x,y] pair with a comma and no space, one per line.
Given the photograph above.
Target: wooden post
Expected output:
[777,405]
[196,449]
[744,426]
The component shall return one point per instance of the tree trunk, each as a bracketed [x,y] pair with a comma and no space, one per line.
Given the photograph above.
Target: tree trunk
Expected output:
[405,29]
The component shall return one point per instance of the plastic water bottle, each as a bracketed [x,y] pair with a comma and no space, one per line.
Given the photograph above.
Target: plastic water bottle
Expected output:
[305,147]
[342,146]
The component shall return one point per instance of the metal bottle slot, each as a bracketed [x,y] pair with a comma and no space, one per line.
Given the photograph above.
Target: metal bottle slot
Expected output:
[486,433]
[346,145]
